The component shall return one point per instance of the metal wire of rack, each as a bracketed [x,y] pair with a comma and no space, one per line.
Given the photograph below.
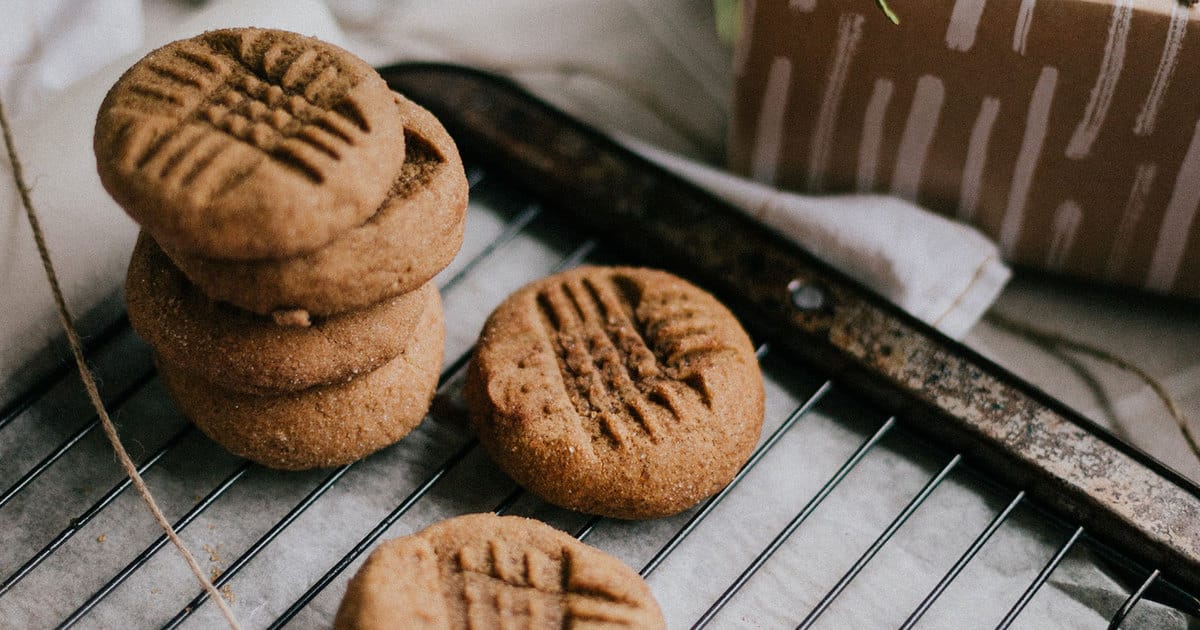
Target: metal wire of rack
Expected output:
[706,565]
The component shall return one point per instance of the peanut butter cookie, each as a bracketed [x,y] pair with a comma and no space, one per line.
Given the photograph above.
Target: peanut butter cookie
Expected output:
[416,232]
[320,426]
[488,571]
[616,391]
[239,350]
[248,143]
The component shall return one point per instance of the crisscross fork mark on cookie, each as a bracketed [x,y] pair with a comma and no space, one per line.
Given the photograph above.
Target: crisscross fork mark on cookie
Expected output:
[412,235]
[291,104]
[600,388]
[628,363]
[534,587]
[490,571]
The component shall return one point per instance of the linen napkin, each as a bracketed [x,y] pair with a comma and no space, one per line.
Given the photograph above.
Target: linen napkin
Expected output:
[945,273]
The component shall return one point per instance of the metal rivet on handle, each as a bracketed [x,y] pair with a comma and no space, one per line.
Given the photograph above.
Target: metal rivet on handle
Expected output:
[807,296]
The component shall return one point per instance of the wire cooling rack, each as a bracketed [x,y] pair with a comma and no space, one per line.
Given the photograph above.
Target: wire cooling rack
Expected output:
[851,512]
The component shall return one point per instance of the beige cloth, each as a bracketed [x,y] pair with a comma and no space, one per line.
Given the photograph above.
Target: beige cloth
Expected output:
[943,272]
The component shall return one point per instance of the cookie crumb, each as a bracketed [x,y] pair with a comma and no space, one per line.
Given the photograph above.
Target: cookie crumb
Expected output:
[294,317]
[227,593]
[101,538]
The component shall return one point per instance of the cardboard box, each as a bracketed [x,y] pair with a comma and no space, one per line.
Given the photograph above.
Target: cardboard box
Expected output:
[1067,130]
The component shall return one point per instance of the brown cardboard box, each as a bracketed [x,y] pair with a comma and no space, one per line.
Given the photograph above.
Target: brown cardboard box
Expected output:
[1068,130]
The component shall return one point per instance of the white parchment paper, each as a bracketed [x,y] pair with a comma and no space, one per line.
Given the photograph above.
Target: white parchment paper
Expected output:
[1079,594]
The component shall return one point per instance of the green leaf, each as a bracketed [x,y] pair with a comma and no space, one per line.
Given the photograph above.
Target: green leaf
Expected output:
[727,14]
[891,15]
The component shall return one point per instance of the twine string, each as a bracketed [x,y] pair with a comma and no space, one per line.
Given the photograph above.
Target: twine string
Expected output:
[89,382]
[1052,340]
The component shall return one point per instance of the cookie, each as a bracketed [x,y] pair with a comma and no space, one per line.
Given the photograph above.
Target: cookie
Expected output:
[488,571]
[616,391]
[244,352]
[248,143]
[321,426]
[414,235]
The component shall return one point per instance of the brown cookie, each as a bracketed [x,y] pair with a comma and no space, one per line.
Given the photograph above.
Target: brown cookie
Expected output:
[414,235]
[321,426]
[249,353]
[488,571]
[248,143]
[616,391]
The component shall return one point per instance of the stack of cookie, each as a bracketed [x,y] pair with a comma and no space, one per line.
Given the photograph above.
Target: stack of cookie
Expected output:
[294,210]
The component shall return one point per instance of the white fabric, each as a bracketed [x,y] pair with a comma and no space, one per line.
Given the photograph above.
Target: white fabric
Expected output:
[945,273]
[46,45]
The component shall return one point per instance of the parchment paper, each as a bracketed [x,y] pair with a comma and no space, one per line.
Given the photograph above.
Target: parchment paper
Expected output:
[1079,595]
